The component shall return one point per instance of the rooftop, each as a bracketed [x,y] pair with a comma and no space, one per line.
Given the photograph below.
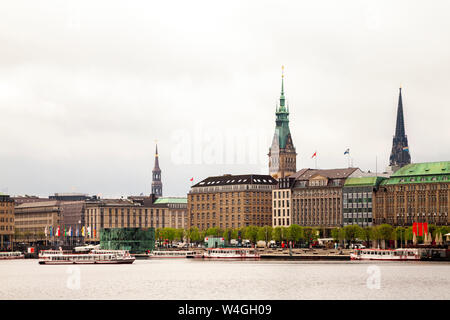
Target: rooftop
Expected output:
[171,200]
[425,168]
[306,174]
[363,181]
[229,179]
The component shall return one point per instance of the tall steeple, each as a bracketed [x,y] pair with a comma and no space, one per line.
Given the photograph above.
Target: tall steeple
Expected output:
[282,155]
[400,151]
[156,177]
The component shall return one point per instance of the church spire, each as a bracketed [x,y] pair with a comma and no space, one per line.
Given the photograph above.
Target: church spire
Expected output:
[400,150]
[156,176]
[400,127]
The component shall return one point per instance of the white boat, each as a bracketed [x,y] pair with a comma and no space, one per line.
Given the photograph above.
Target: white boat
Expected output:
[231,253]
[93,257]
[385,254]
[11,255]
[172,254]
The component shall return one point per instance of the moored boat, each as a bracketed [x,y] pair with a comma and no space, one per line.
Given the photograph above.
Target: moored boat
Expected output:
[175,254]
[11,255]
[232,254]
[93,257]
[385,254]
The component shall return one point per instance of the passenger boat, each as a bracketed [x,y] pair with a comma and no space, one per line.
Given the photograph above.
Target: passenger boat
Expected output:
[231,253]
[172,254]
[11,255]
[93,257]
[385,254]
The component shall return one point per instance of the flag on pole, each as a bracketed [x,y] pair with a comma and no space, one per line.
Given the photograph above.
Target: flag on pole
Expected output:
[77,233]
[347,151]
[46,231]
[58,232]
[191,179]
[83,233]
[95,233]
[51,231]
[314,155]
[405,149]
[70,231]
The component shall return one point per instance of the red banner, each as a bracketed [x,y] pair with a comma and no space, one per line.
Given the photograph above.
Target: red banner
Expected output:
[420,228]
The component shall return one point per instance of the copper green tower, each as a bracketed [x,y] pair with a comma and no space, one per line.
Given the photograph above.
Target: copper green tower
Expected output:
[282,155]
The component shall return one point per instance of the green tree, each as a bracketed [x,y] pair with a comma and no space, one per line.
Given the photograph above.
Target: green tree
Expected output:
[310,234]
[295,233]
[251,233]
[384,232]
[352,232]
[194,234]
[366,234]
[277,234]
[265,234]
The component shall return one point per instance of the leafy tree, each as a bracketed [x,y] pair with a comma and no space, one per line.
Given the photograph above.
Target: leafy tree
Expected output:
[194,234]
[366,234]
[251,233]
[265,233]
[295,233]
[310,234]
[179,234]
[234,234]
[277,234]
[227,234]
[352,232]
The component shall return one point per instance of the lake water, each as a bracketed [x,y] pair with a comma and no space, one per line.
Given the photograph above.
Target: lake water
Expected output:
[196,279]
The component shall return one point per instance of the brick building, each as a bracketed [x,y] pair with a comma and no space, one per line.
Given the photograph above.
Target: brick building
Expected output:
[231,201]
[6,221]
[134,212]
[417,192]
[311,197]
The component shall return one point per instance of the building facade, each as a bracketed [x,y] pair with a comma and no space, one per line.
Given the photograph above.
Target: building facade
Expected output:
[314,198]
[359,200]
[400,155]
[231,201]
[6,221]
[32,218]
[282,154]
[135,212]
[415,193]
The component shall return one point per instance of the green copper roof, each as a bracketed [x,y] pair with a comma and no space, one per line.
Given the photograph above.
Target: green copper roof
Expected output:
[426,168]
[282,120]
[427,172]
[363,181]
[166,200]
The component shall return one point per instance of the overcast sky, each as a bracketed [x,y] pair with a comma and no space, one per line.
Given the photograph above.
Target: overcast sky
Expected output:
[86,87]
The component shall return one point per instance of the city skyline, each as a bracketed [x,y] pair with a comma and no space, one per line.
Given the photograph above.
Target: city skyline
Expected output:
[86,122]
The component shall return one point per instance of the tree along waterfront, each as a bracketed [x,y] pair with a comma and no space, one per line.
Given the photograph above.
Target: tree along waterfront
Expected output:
[383,235]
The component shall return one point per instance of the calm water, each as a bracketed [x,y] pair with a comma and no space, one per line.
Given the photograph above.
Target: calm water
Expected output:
[193,279]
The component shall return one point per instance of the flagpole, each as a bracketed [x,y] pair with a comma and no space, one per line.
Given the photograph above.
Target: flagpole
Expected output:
[316,160]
